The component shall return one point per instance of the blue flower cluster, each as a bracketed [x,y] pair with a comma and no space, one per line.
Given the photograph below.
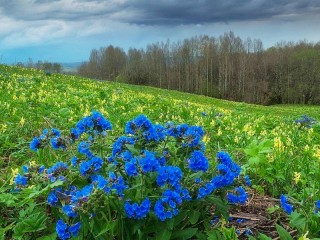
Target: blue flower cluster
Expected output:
[285,205]
[91,166]
[57,171]
[306,121]
[239,198]
[228,172]
[94,125]
[141,125]
[137,211]
[147,155]
[190,136]
[166,207]
[65,232]
[247,180]
[171,175]
[198,162]
[53,136]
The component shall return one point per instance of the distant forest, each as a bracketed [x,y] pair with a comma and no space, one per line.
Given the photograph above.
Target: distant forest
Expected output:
[225,67]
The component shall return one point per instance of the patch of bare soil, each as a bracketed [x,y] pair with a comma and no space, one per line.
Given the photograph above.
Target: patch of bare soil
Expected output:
[255,217]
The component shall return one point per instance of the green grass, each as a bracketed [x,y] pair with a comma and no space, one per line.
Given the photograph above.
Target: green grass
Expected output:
[273,149]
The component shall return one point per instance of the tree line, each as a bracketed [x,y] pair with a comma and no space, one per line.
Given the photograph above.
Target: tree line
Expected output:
[46,66]
[225,67]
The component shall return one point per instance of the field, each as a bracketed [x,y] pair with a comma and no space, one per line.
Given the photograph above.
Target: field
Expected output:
[279,154]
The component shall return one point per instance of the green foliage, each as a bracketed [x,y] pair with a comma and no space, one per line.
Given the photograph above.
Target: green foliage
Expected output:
[279,156]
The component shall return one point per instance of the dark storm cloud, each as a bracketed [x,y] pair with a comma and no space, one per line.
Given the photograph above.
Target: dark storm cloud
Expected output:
[158,12]
[166,12]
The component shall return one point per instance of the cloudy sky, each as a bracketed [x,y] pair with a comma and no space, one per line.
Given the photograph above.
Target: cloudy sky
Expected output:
[67,30]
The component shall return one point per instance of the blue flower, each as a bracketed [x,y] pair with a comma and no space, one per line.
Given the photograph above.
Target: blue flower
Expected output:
[62,230]
[166,207]
[58,143]
[55,132]
[35,144]
[74,161]
[169,174]
[148,162]
[131,167]
[52,198]
[224,158]
[285,205]
[41,169]
[241,197]
[247,180]
[74,133]
[198,162]
[66,232]
[69,210]
[91,166]
[74,229]
[137,211]
[120,145]
[25,169]
[20,180]
[56,171]
[84,148]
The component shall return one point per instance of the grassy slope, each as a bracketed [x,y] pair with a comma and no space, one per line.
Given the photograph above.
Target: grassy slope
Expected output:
[32,101]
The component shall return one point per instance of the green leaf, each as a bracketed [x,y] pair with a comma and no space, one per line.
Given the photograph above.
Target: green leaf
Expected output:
[214,235]
[164,234]
[194,217]
[8,199]
[132,149]
[184,234]
[297,220]
[264,237]
[52,236]
[284,235]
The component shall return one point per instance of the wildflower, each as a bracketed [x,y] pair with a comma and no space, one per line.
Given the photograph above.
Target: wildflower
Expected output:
[247,180]
[241,196]
[166,207]
[56,171]
[169,174]
[198,162]
[66,232]
[148,162]
[69,210]
[137,211]
[20,180]
[131,167]
[284,203]
[120,145]
[35,144]
[58,143]
[297,177]
[52,198]
[84,148]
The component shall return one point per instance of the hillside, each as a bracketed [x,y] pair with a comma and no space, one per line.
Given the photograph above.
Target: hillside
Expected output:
[280,155]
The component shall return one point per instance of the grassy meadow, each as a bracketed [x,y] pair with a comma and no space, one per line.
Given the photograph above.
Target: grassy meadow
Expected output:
[280,155]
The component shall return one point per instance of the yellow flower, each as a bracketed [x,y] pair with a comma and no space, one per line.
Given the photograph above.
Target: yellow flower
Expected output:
[212,123]
[278,144]
[22,121]
[297,177]
[236,139]
[14,174]
[206,139]
[3,127]
[219,132]
[32,163]
[304,237]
